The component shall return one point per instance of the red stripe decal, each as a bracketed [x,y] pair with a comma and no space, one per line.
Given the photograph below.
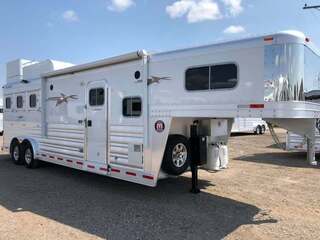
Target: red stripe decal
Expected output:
[148,177]
[256,105]
[131,173]
[70,161]
[91,166]
[115,170]
[79,163]
[60,158]
[267,39]
[104,169]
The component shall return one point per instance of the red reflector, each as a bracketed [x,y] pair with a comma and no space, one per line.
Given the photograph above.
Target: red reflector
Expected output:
[43,155]
[256,105]
[268,39]
[79,163]
[90,166]
[131,173]
[148,177]
[70,161]
[104,169]
[115,170]
[51,157]
[60,158]
[307,39]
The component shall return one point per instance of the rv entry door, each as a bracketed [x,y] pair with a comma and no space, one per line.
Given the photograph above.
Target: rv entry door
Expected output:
[96,121]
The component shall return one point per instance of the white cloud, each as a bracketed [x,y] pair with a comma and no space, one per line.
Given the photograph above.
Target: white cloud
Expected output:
[194,10]
[70,16]
[234,29]
[179,8]
[234,6]
[120,5]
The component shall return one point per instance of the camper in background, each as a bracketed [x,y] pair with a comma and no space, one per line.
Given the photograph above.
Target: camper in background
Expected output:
[249,125]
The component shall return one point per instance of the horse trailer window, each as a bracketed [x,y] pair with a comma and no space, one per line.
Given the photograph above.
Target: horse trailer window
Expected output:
[223,76]
[96,97]
[19,102]
[8,103]
[197,78]
[131,107]
[32,100]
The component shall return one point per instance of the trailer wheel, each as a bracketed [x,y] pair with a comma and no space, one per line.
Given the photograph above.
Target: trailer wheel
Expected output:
[258,130]
[28,156]
[177,155]
[15,152]
[263,129]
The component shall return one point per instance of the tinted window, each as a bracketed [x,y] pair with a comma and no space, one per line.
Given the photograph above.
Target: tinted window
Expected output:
[197,78]
[33,100]
[19,102]
[8,103]
[132,107]
[96,97]
[223,76]
[1,110]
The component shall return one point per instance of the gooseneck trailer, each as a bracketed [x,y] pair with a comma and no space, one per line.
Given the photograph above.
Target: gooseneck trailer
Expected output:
[129,117]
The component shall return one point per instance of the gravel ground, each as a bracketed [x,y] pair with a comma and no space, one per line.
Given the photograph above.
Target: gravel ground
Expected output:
[265,194]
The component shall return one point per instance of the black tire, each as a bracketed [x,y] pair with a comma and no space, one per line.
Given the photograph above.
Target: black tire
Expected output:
[179,164]
[263,129]
[1,133]
[28,156]
[258,130]
[15,152]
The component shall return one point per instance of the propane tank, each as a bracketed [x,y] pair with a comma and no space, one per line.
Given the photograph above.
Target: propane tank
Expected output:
[223,156]
[213,162]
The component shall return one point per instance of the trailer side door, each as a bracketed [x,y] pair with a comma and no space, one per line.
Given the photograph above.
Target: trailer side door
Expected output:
[96,121]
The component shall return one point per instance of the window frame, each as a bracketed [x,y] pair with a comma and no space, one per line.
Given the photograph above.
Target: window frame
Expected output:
[8,98]
[22,106]
[35,106]
[211,65]
[132,97]
[104,97]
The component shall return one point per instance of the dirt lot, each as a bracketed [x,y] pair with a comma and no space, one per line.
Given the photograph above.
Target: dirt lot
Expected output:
[265,194]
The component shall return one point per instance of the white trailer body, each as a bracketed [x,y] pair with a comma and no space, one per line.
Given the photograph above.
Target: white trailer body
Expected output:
[249,125]
[1,117]
[128,117]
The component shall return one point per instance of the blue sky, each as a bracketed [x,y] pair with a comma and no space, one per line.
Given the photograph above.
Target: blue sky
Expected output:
[80,31]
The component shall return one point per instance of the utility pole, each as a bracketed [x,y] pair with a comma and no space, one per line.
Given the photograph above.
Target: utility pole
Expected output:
[311,7]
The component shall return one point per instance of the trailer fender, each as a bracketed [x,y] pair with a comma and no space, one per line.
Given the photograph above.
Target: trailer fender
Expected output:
[34,143]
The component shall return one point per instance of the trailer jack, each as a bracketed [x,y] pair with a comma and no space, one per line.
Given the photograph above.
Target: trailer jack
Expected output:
[198,154]
[194,171]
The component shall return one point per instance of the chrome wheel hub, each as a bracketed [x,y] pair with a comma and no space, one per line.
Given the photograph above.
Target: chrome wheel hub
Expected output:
[16,153]
[179,155]
[28,156]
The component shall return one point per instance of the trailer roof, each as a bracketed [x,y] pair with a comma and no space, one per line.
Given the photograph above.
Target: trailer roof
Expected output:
[290,36]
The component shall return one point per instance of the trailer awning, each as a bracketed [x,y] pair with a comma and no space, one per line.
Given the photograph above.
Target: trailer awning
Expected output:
[98,64]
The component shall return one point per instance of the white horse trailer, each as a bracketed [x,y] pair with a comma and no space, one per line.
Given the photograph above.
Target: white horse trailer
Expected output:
[130,117]
[1,119]
[249,125]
